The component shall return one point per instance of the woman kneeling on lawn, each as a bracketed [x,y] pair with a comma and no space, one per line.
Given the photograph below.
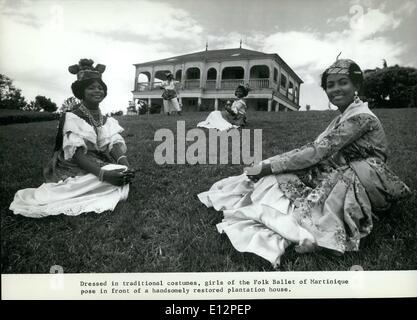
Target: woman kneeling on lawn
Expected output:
[89,169]
[322,195]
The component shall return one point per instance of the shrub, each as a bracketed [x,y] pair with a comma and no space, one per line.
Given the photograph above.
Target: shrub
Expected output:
[391,87]
[155,108]
[25,117]
[118,113]
[41,103]
[10,96]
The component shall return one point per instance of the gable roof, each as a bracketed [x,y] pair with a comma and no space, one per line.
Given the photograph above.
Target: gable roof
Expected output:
[222,55]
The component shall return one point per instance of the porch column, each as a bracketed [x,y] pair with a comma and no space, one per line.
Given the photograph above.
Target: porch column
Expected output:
[203,76]
[219,76]
[135,83]
[216,104]
[279,79]
[149,105]
[269,105]
[198,103]
[297,98]
[271,75]
[276,106]
[183,77]
[246,75]
[152,79]
[287,85]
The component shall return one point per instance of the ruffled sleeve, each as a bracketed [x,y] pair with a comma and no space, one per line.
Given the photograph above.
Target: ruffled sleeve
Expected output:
[327,145]
[109,135]
[239,107]
[76,133]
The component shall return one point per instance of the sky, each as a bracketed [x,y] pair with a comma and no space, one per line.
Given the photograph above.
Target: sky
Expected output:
[40,39]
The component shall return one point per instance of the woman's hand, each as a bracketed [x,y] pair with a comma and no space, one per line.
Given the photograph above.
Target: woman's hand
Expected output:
[118,177]
[130,173]
[258,171]
[228,108]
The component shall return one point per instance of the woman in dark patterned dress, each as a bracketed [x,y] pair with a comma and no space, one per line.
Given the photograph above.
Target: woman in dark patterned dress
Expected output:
[322,195]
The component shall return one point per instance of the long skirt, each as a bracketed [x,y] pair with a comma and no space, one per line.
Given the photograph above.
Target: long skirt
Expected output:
[257,217]
[215,120]
[171,105]
[279,210]
[72,196]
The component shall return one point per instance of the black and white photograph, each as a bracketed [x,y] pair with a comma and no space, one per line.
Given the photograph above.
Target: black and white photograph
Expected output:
[207,137]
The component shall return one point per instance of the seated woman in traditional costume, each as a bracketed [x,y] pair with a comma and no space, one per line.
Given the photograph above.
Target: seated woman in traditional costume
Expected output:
[89,170]
[234,115]
[322,195]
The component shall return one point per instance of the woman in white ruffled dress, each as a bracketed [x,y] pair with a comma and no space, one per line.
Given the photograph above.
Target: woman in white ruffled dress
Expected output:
[322,195]
[89,170]
[234,115]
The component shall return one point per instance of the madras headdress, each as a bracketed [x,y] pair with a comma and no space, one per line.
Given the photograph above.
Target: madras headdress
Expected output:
[84,70]
[341,66]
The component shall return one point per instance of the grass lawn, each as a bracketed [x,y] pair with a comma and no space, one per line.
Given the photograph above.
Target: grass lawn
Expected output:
[163,227]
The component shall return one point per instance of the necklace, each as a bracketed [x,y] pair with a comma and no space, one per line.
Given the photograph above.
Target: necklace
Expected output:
[87,112]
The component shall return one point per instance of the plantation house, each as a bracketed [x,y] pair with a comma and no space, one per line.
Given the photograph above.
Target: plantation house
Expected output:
[207,79]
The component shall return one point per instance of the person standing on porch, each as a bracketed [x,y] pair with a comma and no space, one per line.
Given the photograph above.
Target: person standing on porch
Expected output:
[169,95]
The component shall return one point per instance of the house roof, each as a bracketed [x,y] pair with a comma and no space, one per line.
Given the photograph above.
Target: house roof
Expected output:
[222,55]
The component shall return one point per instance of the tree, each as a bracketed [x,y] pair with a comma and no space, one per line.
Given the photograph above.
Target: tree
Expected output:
[10,96]
[118,113]
[41,103]
[32,106]
[69,104]
[391,87]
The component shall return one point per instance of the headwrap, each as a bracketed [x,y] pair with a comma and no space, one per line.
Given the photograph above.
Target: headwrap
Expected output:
[245,88]
[84,70]
[86,73]
[341,67]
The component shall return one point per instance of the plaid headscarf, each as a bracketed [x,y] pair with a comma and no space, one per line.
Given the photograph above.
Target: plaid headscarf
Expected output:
[341,67]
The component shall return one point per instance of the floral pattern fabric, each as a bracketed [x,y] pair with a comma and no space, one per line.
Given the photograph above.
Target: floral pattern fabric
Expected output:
[239,118]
